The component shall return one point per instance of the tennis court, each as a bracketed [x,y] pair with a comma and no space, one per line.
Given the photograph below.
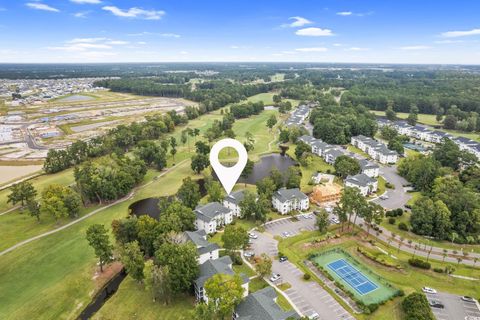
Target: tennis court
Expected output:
[352,276]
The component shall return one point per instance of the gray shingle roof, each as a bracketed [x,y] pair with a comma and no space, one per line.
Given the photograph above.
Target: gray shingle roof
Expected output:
[284,195]
[365,164]
[261,305]
[199,239]
[235,197]
[360,179]
[210,211]
[212,267]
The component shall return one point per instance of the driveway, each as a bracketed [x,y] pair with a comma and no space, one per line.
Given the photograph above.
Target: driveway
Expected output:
[308,296]
[279,227]
[398,197]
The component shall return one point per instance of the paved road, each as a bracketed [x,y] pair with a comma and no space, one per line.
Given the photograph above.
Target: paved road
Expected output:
[455,307]
[308,296]
[398,197]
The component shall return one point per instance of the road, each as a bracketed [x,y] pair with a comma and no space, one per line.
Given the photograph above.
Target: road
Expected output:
[397,197]
[308,296]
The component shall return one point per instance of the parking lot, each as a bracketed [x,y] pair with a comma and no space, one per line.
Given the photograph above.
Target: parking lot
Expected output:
[288,227]
[455,308]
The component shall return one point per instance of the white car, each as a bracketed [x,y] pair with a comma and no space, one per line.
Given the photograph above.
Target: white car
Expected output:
[286,234]
[314,316]
[429,290]
[275,277]
[252,235]
[248,254]
[384,197]
[334,221]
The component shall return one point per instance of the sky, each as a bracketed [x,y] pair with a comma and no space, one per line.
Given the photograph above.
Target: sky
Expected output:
[366,31]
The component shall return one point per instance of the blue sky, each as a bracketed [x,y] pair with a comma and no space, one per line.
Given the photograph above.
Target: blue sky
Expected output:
[404,31]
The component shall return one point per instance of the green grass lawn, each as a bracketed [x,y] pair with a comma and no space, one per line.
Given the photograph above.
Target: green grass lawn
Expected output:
[357,151]
[381,185]
[133,301]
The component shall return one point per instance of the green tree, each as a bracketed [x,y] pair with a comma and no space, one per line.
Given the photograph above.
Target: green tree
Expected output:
[322,221]
[413,115]
[215,191]
[189,193]
[448,154]
[202,148]
[224,292]
[199,162]
[176,217]
[266,187]
[132,259]
[272,121]
[247,170]
[277,178]
[264,265]
[388,133]
[158,282]
[181,260]
[97,238]
[234,237]
[373,213]
[294,177]
[301,149]
[33,208]
[173,147]
[416,307]
[396,145]
[147,232]
[390,114]
[21,192]
[345,166]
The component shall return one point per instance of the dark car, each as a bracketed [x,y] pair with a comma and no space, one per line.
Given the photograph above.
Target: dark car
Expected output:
[283,259]
[436,304]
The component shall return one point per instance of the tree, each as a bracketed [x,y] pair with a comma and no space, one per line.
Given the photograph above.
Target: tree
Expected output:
[322,221]
[448,154]
[352,202]
[276,98]
[21,192]
[234,237]
[224,292]
[199,163]
[277,178]
[341,213]
[373,214]
[158,282]
[247,170]
[204,311]
[413,115]
[264,265]
[416,307]
[248,204]
[176,217]
[97,238]
[294,177]
[125,230]
[249,144]
[450,122]
[345,166]
[202,147]
[214,190]
[173,145]
[390,114]
[33,208]
[189,193]
[272,121]
[266,187]
[388,133]
[132,259]
[396,145]
[301,149]
[181,260]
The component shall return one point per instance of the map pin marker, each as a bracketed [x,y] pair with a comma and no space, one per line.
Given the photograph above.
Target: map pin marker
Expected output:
[228,176]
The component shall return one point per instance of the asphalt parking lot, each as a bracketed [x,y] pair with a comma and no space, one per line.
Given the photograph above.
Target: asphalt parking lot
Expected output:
[279,227]
[455,307]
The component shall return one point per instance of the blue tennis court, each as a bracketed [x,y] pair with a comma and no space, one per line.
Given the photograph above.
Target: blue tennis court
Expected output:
[354,278]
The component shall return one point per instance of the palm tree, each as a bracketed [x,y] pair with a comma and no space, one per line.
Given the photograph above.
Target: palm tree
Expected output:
[453,236]
[429,251]
[400,243]
[445,252]
[459,260]
[410,242]
[415,248]
[475,261]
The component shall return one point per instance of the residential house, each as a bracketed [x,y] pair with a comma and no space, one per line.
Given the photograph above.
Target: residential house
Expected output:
[286,200]
[212,216]
[206,250]
[332,154]
[262,305]
[232,202]
[369,168]
[210,268]
[362,182]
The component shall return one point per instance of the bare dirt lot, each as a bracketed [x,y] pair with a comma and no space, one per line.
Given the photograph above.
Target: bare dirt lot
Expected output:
[10,173]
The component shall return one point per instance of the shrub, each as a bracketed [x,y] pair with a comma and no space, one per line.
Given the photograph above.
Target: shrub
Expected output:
[306,276]
[372,307]
[391,220]
[389,185]
[399,212]
[439,270]
[419,263]
[415,306]
[403,226]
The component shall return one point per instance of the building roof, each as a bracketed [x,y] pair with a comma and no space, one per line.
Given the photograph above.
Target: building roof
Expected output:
[261,305]
[284,195]
[199,238]
[335,153]
[307,139]
[384,150]
[210,211]
[360,179]
[235,197]
[212,267]
[464,140]
[365,164]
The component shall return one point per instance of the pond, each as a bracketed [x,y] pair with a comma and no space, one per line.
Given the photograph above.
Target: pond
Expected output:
[262,168]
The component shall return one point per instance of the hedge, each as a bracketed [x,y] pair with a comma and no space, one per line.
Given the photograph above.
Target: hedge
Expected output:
[415,306]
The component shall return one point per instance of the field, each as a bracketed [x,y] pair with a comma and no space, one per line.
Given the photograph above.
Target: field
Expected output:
[12,173]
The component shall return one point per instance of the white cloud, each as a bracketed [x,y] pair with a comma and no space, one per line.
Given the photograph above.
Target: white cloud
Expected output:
[345,13]
[183,52]
[82,14]
[135,13]
[169,35]
[299,22]
[314,32]
[141,43]
[465,33]
[85,40]
[86,1]
[315,49]
[41,6]
[87,44]
[448,41]
[412,48]
[356,49]
[148,33]
[118,42]
[337,44]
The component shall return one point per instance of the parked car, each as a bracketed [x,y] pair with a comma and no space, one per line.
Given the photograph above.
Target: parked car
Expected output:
[429,290]
[384,197]
[275,277]
[334,221]
[314,316]
[283,259]
[436,304]
[252,235]
[248,254]
[286,234]
[468,299]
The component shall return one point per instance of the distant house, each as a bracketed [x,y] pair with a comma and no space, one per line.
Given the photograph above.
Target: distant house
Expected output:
[369,168]
[320,148]
[420,132]
[261,305]
[331,155]
[210,268]
[307,139]
[362,182]
[232,202]
[286,200]
[438,136]
[206,250]
[403,128]
[378,151]
[212,216]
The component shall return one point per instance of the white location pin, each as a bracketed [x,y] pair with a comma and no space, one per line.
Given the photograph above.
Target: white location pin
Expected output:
[228,176]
